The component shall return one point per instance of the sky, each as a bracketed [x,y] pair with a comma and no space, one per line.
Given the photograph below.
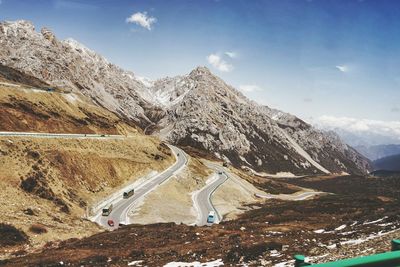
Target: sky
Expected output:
[322,60]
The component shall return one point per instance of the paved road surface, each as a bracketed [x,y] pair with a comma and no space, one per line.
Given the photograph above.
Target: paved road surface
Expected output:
[202,199]
[63,135]
[204,209]
[122,206]
[294,197]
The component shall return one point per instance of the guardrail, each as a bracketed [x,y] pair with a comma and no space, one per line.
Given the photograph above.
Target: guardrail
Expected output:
[387,259]
[60,135]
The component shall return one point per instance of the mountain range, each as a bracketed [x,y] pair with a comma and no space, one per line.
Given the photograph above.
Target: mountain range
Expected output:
[378,151]
[198,109]
[390,163]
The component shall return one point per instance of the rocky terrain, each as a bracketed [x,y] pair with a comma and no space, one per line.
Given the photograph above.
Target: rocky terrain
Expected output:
[198,109]
[329,227]
[69,64]
[215,117]
[26,107]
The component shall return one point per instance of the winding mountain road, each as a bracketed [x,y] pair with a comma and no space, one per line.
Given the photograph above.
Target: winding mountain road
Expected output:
[202,198]
[121,206]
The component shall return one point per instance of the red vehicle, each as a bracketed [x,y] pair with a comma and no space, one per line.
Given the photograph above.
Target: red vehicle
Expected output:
[110,223]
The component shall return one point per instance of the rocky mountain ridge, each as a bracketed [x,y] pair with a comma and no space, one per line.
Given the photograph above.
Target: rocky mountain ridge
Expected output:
[69,64]
[198,110]
[216,117]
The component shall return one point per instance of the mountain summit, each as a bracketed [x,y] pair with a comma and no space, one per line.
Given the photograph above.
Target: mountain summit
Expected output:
[198,109]
[211,115]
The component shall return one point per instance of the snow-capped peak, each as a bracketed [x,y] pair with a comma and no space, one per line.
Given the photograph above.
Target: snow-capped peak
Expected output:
[146,81]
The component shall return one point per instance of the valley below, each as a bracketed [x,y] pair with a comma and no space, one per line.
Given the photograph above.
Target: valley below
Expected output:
[327,227]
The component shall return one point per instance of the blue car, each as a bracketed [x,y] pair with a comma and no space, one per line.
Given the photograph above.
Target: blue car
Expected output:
[211,217]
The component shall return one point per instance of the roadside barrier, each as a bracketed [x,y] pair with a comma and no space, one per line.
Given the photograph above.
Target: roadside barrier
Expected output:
[387,259]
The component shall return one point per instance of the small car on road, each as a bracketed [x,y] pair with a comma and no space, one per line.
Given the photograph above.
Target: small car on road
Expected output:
[110,223]
[211,217]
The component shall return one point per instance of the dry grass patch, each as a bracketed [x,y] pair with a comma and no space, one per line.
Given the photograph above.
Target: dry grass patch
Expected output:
[54,180]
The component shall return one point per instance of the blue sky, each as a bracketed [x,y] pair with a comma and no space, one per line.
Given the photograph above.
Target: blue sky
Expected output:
[313,58]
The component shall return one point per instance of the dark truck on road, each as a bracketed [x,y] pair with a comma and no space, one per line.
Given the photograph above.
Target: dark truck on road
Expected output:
[128,194]
[107,211]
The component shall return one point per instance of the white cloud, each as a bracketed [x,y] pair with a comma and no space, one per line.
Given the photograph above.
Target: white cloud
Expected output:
[247,88]
[142,19]
[219,63]
[231,54]
[343,68]
[385,128]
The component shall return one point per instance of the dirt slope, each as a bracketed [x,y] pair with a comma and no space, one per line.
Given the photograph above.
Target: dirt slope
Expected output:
[47,183]
[33,110]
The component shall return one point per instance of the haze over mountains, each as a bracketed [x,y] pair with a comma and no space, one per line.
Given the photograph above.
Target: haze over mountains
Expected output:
[198,109]
[373,139]
[390,163]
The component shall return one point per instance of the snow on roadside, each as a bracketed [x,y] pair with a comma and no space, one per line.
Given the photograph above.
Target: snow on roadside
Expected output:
[135,263]
[373,222]
[195,264]
[361,239]
[340,227]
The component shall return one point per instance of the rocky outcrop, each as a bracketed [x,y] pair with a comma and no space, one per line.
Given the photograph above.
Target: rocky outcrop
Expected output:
[70,65]
[213,116]
[198,109]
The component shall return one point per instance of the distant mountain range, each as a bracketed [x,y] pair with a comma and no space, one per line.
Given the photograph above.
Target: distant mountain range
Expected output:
[372,138]
[378,151]
[390,163]
[198,109]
